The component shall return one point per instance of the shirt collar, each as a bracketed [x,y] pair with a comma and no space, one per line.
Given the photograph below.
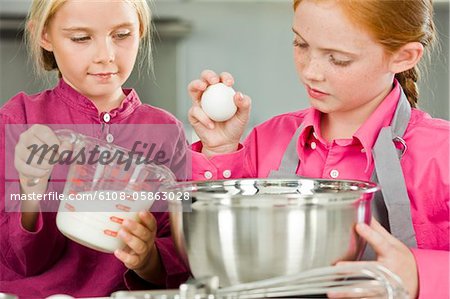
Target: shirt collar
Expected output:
[311,124]
[366,134]
[80,102]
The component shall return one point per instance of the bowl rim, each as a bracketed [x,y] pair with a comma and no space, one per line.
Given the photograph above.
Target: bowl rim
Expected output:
[355,187]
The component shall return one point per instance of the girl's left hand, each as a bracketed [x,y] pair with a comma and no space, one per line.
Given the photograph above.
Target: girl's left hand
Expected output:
[392,254]
[140,254]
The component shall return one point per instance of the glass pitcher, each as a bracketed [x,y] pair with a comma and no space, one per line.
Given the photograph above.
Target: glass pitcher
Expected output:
[105,185]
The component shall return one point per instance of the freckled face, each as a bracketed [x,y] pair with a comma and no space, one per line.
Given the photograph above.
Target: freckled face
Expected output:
[341,66]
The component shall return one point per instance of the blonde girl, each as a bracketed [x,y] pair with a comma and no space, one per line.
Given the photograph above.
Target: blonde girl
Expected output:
[93,46]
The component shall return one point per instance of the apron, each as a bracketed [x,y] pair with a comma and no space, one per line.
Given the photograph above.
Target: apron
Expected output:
[391,206]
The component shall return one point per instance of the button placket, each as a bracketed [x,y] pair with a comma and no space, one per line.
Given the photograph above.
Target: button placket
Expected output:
[105,133]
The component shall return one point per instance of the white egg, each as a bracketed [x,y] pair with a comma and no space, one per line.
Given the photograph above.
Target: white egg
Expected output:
[217,102]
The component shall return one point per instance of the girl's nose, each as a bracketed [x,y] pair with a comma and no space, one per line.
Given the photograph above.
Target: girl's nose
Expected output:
[105,52]
[313,71]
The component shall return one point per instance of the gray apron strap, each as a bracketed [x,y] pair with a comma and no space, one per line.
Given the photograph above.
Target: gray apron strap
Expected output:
[391,207]
[289,162]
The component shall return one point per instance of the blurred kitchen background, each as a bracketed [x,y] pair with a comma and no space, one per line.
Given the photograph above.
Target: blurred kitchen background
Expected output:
[250,39]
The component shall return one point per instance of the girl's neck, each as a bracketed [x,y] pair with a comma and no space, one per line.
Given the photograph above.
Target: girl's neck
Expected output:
[338,126]
[103,103]
[344,124]
[107,104]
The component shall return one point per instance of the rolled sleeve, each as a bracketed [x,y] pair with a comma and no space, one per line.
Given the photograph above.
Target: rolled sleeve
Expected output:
[224,166]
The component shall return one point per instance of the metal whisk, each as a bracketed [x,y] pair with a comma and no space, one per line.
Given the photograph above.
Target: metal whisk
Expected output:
[344,281]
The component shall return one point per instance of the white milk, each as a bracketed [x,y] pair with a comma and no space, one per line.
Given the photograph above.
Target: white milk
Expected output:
[97,230]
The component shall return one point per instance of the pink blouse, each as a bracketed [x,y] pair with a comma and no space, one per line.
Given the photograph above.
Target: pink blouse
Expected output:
[38,264]
[425,165]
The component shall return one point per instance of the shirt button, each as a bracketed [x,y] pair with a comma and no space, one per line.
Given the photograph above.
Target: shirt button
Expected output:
[208,175]
[106,117]
[334,173]
[109,138]
[227,174]
[313,145]
[363,150]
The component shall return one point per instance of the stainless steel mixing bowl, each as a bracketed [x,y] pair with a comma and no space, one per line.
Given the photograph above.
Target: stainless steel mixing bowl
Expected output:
[253,229]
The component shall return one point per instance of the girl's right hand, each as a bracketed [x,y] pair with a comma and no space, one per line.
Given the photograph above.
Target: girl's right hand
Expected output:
[217,137]
[33,166]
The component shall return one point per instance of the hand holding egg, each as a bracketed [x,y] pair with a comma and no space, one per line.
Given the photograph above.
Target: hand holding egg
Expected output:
[218,114]
[218,103]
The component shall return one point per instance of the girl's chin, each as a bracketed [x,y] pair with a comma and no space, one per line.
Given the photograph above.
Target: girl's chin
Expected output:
[321,106]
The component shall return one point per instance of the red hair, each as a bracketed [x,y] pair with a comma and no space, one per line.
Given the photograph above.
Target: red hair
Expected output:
[394,23]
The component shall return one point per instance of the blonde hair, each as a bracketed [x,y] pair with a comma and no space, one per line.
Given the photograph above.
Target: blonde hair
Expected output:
[42,11]
[394,23]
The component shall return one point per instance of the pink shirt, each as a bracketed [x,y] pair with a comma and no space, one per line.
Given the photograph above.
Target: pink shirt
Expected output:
[38,264]
[425,166]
